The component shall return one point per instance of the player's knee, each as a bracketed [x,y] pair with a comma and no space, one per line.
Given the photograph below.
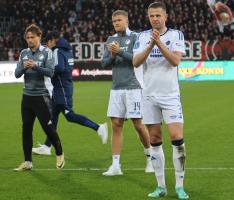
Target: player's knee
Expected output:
[156,138]
[49,129]
[117,123]
[179,148]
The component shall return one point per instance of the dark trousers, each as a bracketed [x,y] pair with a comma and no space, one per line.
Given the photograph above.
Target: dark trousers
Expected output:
[40,107]
[71,117]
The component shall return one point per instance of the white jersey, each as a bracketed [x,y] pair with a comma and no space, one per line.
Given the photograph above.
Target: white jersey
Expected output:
[160,77]
[139,75]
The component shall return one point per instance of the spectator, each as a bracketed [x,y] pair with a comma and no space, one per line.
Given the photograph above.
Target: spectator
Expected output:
[88,21]
[10,55]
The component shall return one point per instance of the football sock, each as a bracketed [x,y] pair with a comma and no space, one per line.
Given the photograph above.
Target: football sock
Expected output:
[115,160]
[179,161]
[158,161]
[147,152]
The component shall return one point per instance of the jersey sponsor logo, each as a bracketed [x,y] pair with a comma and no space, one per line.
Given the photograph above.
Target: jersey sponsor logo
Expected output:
[127,42]
[41,57]
[124,48]
[155,53]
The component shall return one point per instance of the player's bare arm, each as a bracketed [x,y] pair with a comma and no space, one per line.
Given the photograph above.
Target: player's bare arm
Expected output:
[141,57]
[172,57]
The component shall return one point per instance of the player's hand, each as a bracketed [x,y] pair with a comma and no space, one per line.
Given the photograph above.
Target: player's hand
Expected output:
[26,64]
[113,48]
[155,37]
[31,63]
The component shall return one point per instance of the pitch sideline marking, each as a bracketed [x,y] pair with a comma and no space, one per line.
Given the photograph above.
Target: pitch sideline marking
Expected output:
[128,169]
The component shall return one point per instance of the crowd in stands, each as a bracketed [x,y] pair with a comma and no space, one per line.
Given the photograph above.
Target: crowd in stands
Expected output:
[90,20]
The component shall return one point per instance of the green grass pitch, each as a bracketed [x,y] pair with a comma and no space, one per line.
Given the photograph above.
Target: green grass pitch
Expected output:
[209,135]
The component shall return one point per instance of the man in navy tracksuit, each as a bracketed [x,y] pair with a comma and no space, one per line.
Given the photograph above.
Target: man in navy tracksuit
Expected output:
[63,91]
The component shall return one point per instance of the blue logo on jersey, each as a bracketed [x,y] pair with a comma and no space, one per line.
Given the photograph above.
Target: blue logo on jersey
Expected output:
[168,42]
[136,45]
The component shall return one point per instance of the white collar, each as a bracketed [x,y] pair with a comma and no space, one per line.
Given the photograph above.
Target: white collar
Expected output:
[127,31]
[40,48]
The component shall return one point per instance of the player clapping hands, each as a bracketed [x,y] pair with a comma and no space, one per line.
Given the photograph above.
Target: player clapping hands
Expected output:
[113,48]
[29,64]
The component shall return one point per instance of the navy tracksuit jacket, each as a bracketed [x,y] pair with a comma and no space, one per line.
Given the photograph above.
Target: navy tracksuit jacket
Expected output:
[62,79]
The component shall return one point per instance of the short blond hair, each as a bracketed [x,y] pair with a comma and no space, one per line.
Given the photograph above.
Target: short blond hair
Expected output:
[120,12]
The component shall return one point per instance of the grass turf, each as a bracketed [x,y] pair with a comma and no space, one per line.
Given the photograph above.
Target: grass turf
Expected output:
[208,111]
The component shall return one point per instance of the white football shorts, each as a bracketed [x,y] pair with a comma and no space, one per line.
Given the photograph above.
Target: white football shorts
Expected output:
[125,104]
[155,110]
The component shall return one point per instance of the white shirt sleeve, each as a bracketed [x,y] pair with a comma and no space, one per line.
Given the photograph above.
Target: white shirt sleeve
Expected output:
[139,45]
[178,42]
[55,55]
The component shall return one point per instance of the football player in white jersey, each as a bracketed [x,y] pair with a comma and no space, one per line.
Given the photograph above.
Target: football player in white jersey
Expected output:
[160,51]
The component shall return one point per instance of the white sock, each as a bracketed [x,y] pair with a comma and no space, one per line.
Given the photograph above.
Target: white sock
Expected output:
[147,152]
[115,160]
[179,161]
[158,161]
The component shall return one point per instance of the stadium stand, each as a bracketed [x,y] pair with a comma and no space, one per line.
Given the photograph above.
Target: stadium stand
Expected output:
[89,20]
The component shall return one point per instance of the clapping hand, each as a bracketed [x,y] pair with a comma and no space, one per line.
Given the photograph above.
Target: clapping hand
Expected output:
[29,64]
[155,37]
[113,48]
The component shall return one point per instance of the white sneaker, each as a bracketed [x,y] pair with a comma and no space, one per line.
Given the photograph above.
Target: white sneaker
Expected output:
[103,132]
[149,166]
[60,162]
[113,171]
[42,150]
[25,166]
